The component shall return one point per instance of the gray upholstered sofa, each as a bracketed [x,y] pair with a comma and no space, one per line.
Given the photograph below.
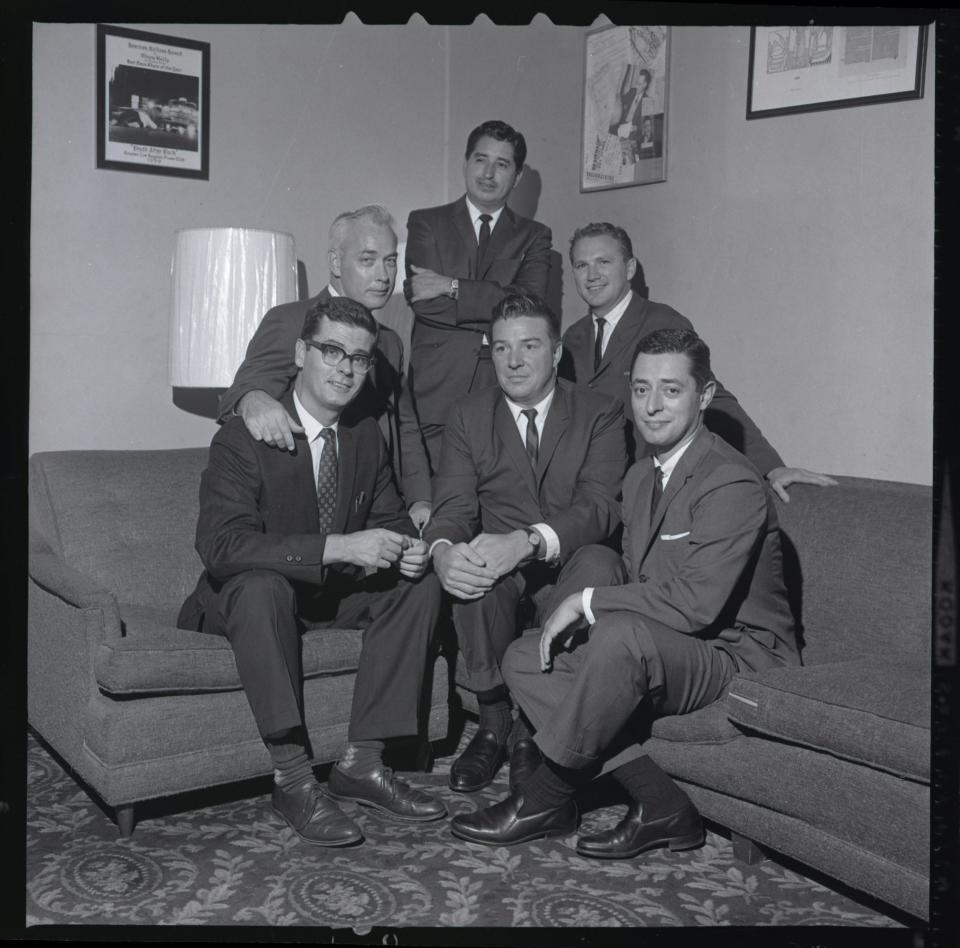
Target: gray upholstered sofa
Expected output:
[829,764]
[136,707]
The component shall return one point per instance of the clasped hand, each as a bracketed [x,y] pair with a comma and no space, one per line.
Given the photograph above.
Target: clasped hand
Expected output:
[469,570]
[380,549]
[425,284]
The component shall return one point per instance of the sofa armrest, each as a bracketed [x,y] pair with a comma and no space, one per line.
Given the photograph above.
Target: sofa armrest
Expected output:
[71,586]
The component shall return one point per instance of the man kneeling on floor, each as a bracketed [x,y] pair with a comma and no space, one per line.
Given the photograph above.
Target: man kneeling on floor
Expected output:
[314,538]
[702,599]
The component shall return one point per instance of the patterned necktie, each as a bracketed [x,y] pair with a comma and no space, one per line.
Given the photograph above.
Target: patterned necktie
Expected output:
[598,343]
[657,492]
[483,238]
[532,440]
[327,480]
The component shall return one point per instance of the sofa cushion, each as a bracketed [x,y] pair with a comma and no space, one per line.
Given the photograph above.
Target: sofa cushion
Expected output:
[154,657]
[869,711]
[709,725]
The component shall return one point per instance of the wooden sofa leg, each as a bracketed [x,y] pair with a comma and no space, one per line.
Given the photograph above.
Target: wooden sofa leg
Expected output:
[124,815]
[746,850]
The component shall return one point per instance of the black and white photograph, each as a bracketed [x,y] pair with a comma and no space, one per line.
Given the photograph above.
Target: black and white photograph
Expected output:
[484,487]
[153,103]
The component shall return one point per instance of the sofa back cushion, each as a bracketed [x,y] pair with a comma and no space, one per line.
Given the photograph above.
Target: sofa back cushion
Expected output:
[858,562]
[126,519]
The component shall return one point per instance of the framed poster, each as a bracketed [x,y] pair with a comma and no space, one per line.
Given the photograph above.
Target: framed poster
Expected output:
[807,68]
[625,82]
[153,103]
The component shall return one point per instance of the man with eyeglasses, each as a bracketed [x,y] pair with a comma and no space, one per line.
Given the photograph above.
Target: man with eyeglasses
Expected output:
[362,257]
[313,538]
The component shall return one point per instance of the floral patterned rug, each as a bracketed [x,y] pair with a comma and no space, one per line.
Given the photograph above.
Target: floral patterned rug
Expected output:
[231,861]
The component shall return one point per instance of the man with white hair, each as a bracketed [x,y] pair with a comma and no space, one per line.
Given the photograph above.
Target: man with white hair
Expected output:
[362,257]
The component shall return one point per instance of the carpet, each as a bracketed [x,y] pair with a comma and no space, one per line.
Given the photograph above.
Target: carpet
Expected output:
[231,861]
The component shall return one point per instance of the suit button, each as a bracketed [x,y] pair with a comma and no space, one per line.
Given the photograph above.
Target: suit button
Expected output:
[289,558]
[591,384]
[298,558]
[642,578]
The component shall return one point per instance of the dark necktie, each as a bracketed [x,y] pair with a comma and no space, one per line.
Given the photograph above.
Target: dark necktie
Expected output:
[598,343]
[483,238]
[327,480]
[532,441]
[657,492]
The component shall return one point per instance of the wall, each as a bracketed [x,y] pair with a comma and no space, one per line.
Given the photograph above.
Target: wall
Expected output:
[801,247]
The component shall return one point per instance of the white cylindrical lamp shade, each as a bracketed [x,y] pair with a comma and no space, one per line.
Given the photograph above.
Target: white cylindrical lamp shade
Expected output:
[224,279]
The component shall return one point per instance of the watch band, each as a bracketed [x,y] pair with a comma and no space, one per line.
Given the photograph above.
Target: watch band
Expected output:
[454,288]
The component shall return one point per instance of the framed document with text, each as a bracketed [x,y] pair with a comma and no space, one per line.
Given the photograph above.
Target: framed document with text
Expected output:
[624,132]
[807,68]
[153,103]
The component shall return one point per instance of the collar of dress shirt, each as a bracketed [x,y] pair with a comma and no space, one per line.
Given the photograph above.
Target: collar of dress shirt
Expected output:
[311,426]
[542,408]
[613,317]
[672,461]
[332,290]
[475,213]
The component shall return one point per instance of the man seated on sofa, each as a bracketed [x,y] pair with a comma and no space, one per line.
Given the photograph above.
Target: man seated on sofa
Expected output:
[316,537]
[530,471]
[362,257]
[599,346]
[704,599]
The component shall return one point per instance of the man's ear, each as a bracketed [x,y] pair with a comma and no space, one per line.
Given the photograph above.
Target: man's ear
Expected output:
[706,396]
[333,262]
[631,268]
[299,353]
[557,353]
[516,180]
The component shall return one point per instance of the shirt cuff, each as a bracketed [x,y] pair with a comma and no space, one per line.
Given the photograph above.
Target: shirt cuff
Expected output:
[433,545]
[552,546]
[585,600]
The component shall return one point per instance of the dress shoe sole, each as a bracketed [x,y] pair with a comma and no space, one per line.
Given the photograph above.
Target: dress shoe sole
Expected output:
[386,811]
[331,844]
[538,834]
[673,843]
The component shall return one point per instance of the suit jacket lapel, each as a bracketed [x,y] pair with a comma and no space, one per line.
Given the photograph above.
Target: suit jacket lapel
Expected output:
[681,473]
[303,459]
[624,337]
[501,234]
[468,237]
[553,431]
[346,474]
[509,435]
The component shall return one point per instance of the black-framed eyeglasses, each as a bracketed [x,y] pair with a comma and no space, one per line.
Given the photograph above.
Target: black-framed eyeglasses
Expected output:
[334,355]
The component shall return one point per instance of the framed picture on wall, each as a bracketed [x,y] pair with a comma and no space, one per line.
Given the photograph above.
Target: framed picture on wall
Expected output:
[625,83]
[808,68]
[153,103]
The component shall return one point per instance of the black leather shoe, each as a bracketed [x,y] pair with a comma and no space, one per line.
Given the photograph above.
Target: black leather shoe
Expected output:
[524,760]
[382,791]
[476,767]
[501,824]
[633,835]
[313,817]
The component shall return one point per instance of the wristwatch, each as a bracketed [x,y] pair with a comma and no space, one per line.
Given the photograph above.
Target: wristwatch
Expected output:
[454,288]
[534,539]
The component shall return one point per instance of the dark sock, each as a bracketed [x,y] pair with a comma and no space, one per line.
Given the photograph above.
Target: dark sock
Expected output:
[521,730]
[495,713]
[647,784]
[549,787]
[361,757]
[288,751]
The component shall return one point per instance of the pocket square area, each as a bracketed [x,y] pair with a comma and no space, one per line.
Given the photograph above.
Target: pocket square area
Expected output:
[674,536]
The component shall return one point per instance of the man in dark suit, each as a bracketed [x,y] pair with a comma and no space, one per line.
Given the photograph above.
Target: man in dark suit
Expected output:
[362,257]
[598,349]
[462,259]
[309,538]
[530,471]
[704,600]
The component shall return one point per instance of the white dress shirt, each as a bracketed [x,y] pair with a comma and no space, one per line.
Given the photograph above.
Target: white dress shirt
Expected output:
[312,429]
[611,320]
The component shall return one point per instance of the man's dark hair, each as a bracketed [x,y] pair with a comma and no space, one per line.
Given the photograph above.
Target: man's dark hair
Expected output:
[526,304]
[603,229]
[339,309]
[502,133]
[682,341]
[647,73]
